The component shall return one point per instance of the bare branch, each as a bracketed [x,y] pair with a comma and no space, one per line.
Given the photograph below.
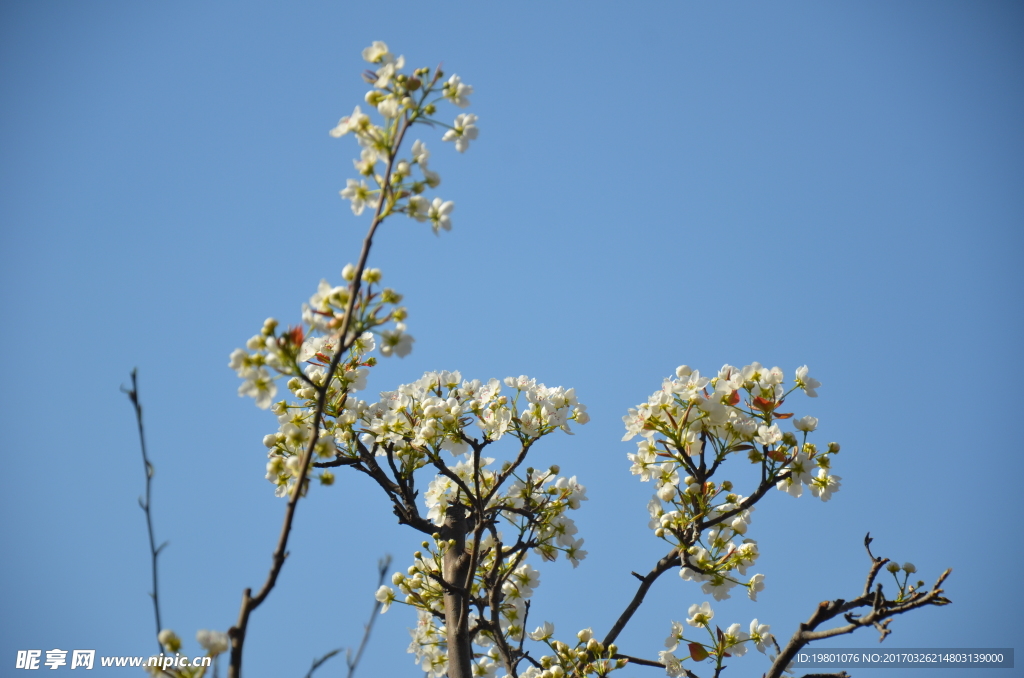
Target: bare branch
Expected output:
[879,615]
[154,550]
[669,561]
[317,663]
[383,565]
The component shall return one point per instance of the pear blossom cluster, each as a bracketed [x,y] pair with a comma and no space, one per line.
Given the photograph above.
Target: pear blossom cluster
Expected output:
[421,424]
[388,184]
[417,421]
[213,642]
[303,355]
[302,351]
[586,656]
[688,428]
[733,641]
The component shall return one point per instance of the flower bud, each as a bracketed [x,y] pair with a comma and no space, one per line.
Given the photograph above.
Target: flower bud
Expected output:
[893,567]
[909,568]
[613,650]
[594,647]
[349,272]
[170,640]
[326,478]
[397,578]
[555,468]
[833,448]
[585,635]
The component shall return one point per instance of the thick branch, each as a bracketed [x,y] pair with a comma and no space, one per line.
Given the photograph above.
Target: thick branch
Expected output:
[456,595]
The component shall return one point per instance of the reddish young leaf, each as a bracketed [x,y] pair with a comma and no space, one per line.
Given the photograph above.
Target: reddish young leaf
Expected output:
[697,652]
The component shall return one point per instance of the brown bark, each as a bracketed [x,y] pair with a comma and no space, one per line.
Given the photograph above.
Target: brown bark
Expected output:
[456,575]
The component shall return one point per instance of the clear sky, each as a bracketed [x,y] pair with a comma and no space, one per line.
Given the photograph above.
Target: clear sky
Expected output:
[830,184]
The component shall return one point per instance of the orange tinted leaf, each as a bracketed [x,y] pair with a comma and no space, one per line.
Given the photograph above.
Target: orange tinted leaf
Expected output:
[763,404]
[782,416]
[697,652]
[734,398]
[777,455]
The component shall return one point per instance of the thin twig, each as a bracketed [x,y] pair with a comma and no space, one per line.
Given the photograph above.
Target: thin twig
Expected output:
[383,565]
[154,551]
[317,663]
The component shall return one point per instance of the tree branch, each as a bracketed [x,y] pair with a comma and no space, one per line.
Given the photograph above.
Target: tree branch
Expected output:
[154,551]
[237,633]
[382,571]
[882,610]
[669,561]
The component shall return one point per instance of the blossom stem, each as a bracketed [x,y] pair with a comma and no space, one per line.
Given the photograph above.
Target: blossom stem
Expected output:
[250,603]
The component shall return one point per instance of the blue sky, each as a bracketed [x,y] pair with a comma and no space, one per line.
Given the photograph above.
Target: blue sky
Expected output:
[831,184]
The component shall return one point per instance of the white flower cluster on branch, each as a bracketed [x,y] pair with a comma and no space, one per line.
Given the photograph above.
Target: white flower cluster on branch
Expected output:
[403,100]
[689,428]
